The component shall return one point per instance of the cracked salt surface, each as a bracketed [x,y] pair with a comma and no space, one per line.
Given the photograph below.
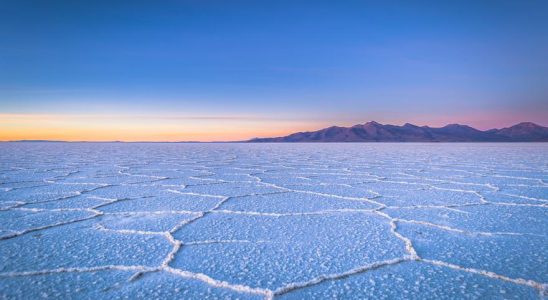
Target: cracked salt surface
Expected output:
[193,221]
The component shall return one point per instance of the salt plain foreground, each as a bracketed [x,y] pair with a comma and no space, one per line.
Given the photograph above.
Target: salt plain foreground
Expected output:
[288,221]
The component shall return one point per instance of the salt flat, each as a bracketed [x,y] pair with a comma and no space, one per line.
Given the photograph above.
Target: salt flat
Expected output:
[193,221]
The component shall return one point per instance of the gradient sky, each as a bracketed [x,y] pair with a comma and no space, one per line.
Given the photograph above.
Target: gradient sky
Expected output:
[229,70]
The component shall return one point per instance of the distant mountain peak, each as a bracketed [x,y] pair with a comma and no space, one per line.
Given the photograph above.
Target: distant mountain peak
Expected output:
[528,125]
[372,124]
[375,132]
[456,125]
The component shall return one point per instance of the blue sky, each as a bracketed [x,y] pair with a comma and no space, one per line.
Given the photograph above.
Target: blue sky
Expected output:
[289,64]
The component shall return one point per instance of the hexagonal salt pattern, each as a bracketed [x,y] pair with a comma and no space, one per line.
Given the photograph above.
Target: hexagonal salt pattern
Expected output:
[297,221]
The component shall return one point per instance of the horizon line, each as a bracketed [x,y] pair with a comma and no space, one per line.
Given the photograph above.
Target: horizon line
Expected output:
[235,141]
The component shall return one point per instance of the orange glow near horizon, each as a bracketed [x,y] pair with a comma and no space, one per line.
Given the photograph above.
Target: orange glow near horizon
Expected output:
[173,128]
[142,128]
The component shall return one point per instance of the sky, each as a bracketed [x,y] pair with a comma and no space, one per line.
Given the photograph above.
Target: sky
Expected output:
[206,70]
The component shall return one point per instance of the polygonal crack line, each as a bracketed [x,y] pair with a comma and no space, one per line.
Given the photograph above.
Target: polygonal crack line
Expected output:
[483,200]
[466,232]
[14,206]
[25,187]
[393,228]
[93,209]
[211,182]
[199,216]
[152,212]
[182,192]
[453,206]
[453,229]
[541,287]
[140,175]
[525,197]
[77,194]
[177,245]
[337,276]
[267,293]
[112,201]
[363,199]
[36,210]
[445,181]
[296,214]
[76,270]
[164,266]
[20,233]
[216,208]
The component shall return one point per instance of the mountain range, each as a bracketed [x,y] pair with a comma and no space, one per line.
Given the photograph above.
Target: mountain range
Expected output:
[376,132]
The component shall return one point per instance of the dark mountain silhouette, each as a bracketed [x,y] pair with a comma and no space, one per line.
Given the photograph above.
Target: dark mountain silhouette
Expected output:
[375,132]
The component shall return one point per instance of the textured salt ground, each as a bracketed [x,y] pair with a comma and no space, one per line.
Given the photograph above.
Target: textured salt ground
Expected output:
[271,251]
[168,200]
[414,280]
[514,256]
[143,221]
[55,248]
[19,220]
[238,221]
[519,220]
[293,202]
